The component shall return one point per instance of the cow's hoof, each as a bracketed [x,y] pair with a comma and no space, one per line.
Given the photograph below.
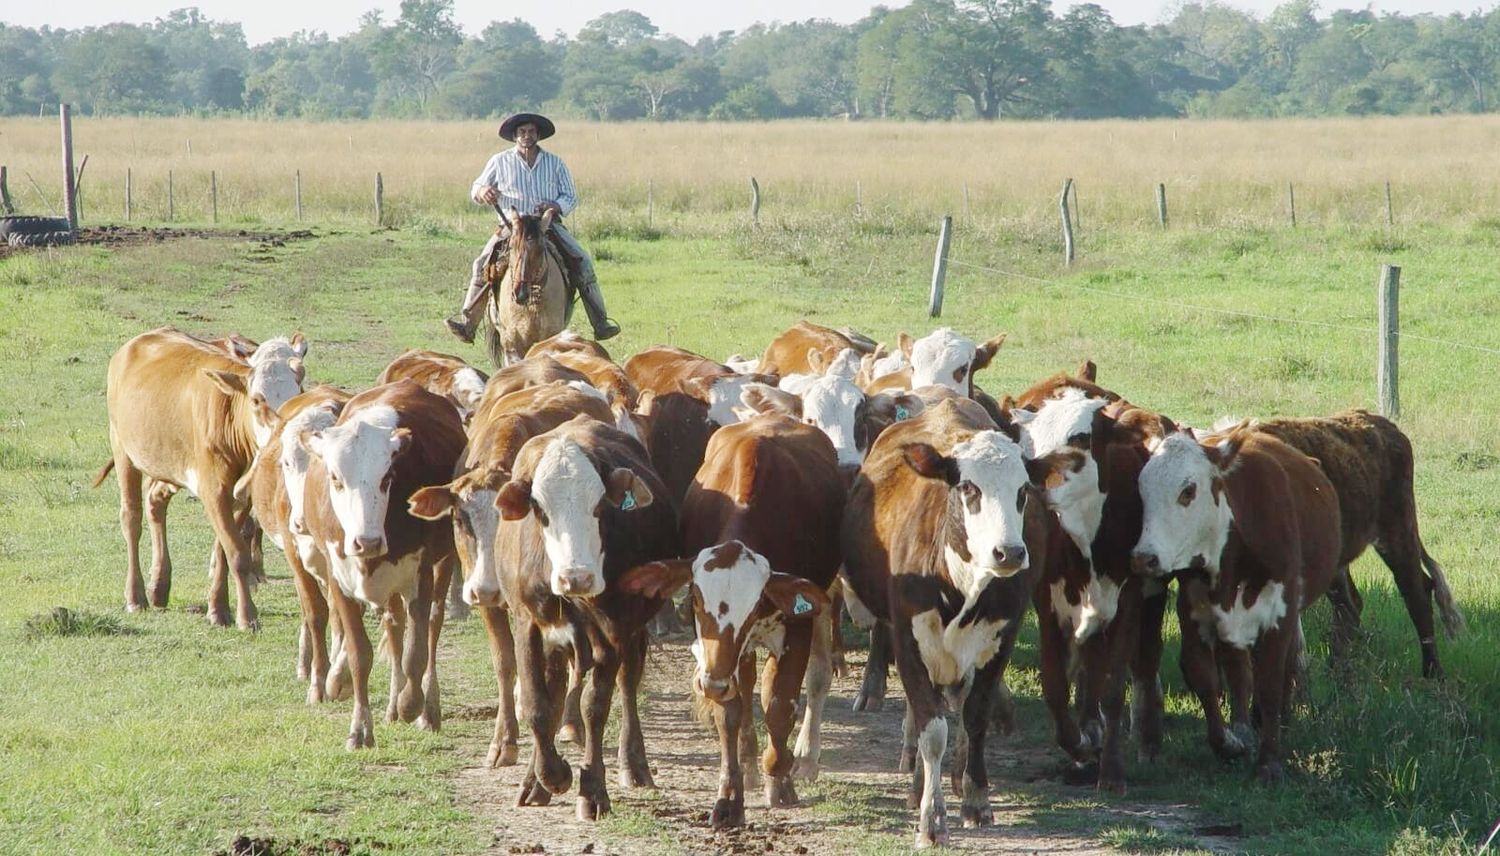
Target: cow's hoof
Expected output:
[635,776]
[428,722]
[532,793]
[555,775]
[314,693]
[727,814]
[134,606]
[594,807]
[867,702]
[908,760]
[569,733]
[1081,774]
[1113,783]
[219,617]
[360,739]
[805,769]
[934,834]
[780,792]
[976,815]
[502,755]
[159,598]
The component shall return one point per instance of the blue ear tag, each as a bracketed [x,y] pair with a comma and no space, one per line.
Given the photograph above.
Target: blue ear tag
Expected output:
[801,605]
[628,504]
[902,414]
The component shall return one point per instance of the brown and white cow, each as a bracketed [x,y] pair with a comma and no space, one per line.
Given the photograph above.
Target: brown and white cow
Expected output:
[568,342]
[533,371]
[469,501]
[788,352]
[440,374]
[1370,463]
[1256,524]
[947,358]
[185,413]
[942,541]
[388,443]
[609,378]
[763,518]
[583,506]
[274,487]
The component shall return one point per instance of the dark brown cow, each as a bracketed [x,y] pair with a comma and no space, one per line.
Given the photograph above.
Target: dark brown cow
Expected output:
[183,412]
[763,518]
[388,443]
[1370,463]
[494,442]
[941,540]
[275,488]
[1256,522]
[440,374]
[582,507]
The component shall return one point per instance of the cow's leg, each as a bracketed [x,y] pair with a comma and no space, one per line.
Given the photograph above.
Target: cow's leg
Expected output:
[360,654]
[931,730]
[1272,652]
[339,684]
[129,479]
[312,661]
[1113,654]
[749,745]
[779,688]
[1201,672]
[906,759]
[1147,701]
[1091,657]
[635,772]
[393,635]
[426,627]
[504,748]
[1002,705]
[1053,648]
[974,790]
[219,507]
[871,695]
[729,807]
[1401,549]
[1239,680]
[593,795]
[157,499]
[543,684]
[457,608]
[1345,626]
[820,671]
[837,663]
[572,713]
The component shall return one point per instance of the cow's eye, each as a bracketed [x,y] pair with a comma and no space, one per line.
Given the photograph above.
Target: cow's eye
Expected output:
[385,483]
[1021,499]
[541,516]
[970,492]
[1188,494]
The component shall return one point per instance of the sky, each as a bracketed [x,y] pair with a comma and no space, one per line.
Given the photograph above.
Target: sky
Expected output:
[267,19]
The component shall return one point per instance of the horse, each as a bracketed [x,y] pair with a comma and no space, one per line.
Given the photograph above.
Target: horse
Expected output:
[531,302]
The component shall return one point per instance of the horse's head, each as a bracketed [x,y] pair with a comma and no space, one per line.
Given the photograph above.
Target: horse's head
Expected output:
[528,260]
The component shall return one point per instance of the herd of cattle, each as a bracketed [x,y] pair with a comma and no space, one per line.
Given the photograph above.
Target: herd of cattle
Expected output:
[574,496]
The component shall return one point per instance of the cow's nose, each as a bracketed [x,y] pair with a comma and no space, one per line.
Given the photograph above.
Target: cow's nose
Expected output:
[717,689]
[1010,556]
[1145,564]
[365,546]
[481,594]
[577,583]
[298,526]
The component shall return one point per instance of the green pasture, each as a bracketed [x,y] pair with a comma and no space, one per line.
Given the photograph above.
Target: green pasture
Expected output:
[154,733]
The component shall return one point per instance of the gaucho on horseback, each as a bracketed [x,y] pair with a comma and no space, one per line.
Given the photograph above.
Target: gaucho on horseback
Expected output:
[532,189]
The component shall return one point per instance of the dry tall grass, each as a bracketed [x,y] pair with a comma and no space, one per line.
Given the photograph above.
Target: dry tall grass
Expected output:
[1229,173]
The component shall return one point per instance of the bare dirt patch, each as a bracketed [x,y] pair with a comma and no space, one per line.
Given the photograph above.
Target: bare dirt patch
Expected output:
[127,236]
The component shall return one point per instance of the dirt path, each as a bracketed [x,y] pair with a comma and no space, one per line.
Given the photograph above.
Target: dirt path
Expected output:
[857,805]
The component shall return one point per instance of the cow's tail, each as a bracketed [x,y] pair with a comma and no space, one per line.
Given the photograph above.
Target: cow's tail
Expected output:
[103,473]
[1453,619]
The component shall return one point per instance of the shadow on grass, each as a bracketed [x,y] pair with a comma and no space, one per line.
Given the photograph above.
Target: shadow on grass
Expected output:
[61,621]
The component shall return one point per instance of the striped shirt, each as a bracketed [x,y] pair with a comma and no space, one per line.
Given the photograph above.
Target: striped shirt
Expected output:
[525,187]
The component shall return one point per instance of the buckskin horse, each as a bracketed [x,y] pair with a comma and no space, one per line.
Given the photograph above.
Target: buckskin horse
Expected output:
[532,301]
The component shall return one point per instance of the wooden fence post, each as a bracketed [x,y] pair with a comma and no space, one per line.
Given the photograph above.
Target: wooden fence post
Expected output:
[1067,223]
[1161,205]
[754,202]
[940,268]
[1291,203]
[70,190]
[127,194]
[859,200]
[1390,212]
[650,201]
[379,200]
[968,211]
[213,193]
[297,192]
[171,201]
[5,204]
[1390,333]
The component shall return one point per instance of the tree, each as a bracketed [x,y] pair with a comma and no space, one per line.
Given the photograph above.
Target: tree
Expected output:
[418,52]
[208,60]
[113,69]
[508,68]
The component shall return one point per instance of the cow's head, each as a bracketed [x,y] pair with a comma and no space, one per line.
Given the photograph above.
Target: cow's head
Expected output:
[359,456]
[568,493]
[276,375]
[721,393]
[1187,515]
[1065,442]
[470,501]
[468,390]
[987,494]
[945,358]
[734,591]
[295,459]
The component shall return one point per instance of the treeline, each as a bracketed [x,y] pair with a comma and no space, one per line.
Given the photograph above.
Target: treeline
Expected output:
[932,59]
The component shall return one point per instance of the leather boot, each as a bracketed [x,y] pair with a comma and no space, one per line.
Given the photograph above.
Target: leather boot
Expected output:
[463,325]
[593,304]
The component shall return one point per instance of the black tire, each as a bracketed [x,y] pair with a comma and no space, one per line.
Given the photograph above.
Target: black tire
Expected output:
[30,231]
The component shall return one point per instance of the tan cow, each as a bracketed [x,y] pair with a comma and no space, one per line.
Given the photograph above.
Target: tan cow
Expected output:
[440,374]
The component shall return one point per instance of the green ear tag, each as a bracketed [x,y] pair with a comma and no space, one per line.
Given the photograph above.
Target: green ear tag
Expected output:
[902,414]
[628,504]
[801,605]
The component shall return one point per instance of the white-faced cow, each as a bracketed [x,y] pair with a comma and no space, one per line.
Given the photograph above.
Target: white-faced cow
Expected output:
[946,358]
[789,352]
[185,413]
[388,443]
[941,540]
[440,374]
[1256,524]
[763,518]
[581,508]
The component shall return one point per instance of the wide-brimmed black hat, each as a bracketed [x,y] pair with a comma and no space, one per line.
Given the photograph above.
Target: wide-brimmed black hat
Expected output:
[544,126]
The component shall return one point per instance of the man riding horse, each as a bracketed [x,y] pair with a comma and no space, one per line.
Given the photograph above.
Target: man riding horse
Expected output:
[531,181]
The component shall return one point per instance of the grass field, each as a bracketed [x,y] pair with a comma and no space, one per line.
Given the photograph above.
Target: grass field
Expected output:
[156,734]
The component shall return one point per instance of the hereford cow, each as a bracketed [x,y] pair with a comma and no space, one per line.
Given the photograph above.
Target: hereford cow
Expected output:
[788,353]
[941,542]
[443,375]
[946,358]
[610,379]
[186,414]
[469,500]
[1256,522]
[568,342]
[388,443]
[1370,463]
[763,518]
[581,508]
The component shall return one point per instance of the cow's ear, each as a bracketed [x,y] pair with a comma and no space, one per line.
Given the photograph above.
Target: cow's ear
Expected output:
[657,579]
[794,596]
[888,407]
[1101,434]
[432,503]
[299,344]
[768,399]
[625,491]
[299,371]
[514,500]
[930,463]
[547,220]
[265,414]
[905,342]
[1225,452]
[229,383]
[1087,371]
[312,442]
[985,353]
[645,403]
[697,387]
[816,362]
[1041,471]
[239,347]
[400,441]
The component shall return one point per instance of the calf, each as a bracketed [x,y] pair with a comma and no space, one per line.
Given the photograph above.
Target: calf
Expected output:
[581,508]
[443,375]
[768,496]
[942,542]
[1370,463]
[185,413]
[388,443]
[1256,523]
